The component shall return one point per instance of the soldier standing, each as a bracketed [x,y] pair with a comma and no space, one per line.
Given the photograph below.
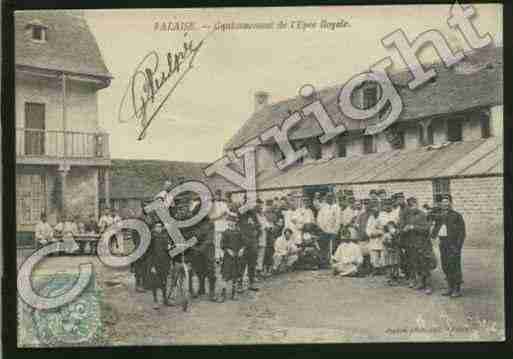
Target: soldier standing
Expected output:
[203,254]
[233,247]
[450,229]
[159,263]
[415,230]
[250,230]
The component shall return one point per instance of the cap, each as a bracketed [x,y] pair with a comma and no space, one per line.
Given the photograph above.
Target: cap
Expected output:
[447,196]
[373,203]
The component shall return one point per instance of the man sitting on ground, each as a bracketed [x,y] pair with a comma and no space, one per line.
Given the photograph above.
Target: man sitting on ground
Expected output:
[348,258]
[285,252]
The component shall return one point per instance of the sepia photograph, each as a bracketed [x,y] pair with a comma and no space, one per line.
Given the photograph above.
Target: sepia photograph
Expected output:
[259,175]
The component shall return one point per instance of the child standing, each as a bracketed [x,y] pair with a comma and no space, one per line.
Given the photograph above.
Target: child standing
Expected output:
[233,246]
[391,243]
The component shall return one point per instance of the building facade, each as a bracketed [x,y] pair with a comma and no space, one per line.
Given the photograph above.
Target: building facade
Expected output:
[61,150]
[447,139]
[133,182]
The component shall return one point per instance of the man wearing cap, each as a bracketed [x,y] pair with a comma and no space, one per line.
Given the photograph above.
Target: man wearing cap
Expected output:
[415,230]
[273,215]
[218,215]
[302,215]
[450,229]
[382,196]
[375,231]
[165,194]
[329,220]
[203,253]
[398,212]
[361,224]
[44,232]
[317,204]
[232,244]
[250,230]
[373,195]
[265,225]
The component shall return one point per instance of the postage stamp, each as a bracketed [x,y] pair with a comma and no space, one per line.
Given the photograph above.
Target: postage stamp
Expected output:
[78,323]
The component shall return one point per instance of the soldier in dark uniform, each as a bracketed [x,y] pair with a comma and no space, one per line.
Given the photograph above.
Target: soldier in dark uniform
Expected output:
[361,225]
[203,255]
[274,217]
[401,207]
[159,262]
[140,266]
[450,229]
[250,230]
[233,246]
[415,229]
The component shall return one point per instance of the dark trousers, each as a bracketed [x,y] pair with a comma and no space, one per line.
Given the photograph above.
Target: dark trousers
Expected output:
[158,280]
[324,245]
[249,260]
[410,259]
[450,256]
[203,266]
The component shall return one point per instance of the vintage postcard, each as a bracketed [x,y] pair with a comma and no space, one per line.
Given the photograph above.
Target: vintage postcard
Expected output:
[270,175]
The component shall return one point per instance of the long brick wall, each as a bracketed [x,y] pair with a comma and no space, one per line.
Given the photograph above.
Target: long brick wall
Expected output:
[480,201]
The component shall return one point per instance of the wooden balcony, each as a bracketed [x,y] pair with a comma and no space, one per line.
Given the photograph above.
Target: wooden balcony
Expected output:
[54,146]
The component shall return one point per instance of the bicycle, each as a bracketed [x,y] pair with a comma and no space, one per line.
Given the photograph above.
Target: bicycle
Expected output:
[178,291]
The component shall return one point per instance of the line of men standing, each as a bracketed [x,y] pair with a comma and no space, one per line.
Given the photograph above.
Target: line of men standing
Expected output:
[259,240]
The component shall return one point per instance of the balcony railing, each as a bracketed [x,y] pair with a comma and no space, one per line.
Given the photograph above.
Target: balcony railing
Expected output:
[61,144]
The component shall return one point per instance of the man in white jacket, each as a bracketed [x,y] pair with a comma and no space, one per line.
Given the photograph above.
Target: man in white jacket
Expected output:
[347,259]
[328,220]
[44,232]
[375,230]
[285,251]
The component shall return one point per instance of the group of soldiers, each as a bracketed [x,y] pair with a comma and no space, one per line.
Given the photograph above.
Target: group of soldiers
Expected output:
[392,236]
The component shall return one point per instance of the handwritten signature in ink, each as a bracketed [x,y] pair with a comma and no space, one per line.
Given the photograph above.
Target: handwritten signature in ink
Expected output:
[148,79]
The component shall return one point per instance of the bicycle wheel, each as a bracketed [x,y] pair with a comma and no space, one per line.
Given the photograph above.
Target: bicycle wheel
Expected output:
[183,287]
[172,282]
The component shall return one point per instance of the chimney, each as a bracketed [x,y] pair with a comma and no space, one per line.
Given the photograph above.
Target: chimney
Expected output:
[261,100]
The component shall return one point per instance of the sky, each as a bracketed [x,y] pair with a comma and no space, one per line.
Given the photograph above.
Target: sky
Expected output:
[217,96]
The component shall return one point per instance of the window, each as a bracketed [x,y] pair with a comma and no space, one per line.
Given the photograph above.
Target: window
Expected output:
[341,146]
[441,187]
[38,33]
[370,96]
[454,130]
[34,128]
[30,197]
[485,125]
[368,144]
